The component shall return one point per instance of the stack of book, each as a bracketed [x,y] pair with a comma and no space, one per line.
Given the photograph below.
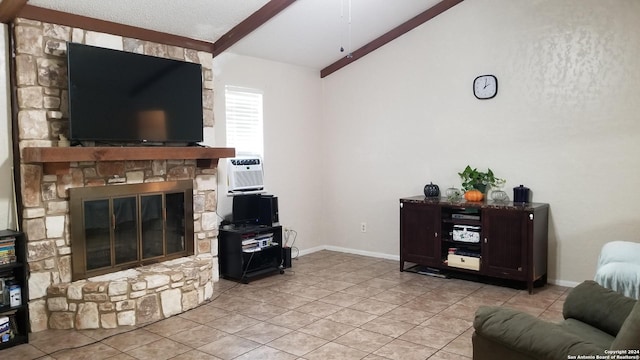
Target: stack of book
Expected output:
[7,250]
[250,245]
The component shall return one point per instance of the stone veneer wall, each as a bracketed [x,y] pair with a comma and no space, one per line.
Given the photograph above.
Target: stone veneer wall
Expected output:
[131,297]
[41,75]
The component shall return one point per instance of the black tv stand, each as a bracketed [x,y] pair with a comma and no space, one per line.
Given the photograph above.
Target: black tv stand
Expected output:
[240,261]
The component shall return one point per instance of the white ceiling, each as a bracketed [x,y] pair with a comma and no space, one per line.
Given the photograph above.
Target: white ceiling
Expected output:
[307,33]
[311,32]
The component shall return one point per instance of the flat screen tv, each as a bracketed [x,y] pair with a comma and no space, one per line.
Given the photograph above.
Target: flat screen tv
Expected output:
[123,97]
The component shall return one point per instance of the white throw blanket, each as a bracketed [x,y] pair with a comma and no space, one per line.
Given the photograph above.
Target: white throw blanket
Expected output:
[619,268]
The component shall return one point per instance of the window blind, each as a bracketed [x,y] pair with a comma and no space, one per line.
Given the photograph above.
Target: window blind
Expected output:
[244,120]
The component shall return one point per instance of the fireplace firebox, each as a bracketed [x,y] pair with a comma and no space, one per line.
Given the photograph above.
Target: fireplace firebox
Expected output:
[124,226]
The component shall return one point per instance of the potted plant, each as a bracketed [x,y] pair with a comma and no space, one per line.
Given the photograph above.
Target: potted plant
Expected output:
[478,180]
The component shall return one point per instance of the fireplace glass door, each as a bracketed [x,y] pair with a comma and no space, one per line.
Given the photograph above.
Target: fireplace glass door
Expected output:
[125,230]
[97,232]
[175,223]
[108,219]
[152,226]
[129,229]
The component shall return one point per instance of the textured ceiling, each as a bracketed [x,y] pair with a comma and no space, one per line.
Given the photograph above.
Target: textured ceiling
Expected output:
[311,32]
[308,33]
[197,19]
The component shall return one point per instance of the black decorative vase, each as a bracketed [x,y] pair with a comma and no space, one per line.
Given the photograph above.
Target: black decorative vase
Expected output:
[521,194]
[431,190]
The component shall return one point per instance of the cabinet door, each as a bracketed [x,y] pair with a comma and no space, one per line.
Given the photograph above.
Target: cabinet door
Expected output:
[419,234]
[504,243]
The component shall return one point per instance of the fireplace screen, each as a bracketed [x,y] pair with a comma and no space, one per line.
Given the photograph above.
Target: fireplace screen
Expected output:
[118,227]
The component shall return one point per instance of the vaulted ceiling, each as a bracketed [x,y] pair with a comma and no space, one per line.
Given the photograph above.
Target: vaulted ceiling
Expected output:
[307,33]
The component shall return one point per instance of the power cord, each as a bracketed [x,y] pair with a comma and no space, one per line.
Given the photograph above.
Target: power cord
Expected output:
[287,235]
[223,221]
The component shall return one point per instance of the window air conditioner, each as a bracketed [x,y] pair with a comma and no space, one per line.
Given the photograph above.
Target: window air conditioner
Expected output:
[244,176]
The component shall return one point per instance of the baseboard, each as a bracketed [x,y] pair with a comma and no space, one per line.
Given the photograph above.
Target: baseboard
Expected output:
[558,282]
[309,251]
[349,251]
[565,283]
[362,252]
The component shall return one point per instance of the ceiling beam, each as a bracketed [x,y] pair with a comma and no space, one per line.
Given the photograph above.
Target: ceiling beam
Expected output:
[393,34]
[9,9]
[254,21]
[108,27]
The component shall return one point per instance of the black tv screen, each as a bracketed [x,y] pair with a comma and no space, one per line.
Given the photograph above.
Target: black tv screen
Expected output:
[117,96]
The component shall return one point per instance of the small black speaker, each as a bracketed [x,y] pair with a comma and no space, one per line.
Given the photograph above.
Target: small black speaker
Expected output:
[268,206]
[286,257]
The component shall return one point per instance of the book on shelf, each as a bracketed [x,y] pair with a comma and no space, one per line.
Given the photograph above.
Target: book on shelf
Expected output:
[250,245]
[8,245]
[7,249]
[7,260]
[249,242]
[7,252]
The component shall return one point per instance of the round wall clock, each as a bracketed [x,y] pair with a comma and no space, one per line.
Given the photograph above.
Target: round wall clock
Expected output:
[485,87]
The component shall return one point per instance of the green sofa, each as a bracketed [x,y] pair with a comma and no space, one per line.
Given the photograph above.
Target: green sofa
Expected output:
[597,321]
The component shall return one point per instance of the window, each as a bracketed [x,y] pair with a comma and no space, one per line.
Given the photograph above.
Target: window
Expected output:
[244,120]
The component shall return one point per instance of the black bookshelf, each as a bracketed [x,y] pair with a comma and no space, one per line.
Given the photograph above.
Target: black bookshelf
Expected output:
[18,315]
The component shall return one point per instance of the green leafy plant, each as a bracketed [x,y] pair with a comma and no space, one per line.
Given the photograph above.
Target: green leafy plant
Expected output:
[474,179]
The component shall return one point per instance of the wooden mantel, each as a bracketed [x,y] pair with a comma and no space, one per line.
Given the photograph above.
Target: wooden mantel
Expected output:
[56,160]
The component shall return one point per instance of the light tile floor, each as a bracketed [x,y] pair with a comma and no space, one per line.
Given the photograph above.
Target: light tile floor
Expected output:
[330,305]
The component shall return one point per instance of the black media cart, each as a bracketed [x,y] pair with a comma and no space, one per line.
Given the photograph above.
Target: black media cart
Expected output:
[249,252]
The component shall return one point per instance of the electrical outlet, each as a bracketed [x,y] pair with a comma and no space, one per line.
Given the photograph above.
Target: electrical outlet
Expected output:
[363,227]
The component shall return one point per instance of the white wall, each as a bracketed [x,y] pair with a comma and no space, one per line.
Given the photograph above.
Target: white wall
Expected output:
[565,122]
[292,120]
[7,218]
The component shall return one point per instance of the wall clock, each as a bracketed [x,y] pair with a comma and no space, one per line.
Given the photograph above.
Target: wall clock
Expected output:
[485,87]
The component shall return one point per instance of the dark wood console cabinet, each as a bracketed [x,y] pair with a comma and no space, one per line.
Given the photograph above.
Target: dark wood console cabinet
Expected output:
[513,238]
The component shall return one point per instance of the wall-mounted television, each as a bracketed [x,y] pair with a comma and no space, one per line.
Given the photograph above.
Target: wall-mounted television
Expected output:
[122,97]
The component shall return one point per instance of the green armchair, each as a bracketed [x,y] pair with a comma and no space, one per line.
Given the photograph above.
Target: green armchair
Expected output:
[597,320]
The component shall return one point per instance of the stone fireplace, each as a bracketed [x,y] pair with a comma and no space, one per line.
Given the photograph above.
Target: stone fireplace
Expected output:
[145,292]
